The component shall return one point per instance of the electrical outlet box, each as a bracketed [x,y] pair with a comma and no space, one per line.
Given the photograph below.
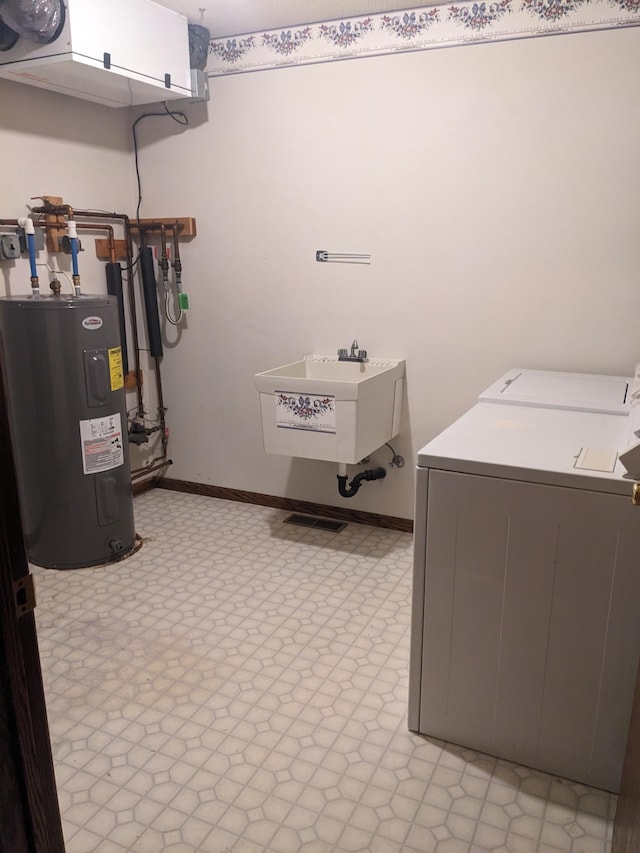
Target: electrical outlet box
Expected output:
[9,246]
[199,89]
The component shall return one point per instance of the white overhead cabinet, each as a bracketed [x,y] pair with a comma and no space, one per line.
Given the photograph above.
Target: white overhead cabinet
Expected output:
[115,52]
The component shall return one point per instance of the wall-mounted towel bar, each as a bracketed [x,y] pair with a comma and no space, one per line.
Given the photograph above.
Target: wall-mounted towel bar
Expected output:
[342,257]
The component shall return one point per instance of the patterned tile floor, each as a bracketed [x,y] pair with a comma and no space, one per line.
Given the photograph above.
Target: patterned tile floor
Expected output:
[241,685]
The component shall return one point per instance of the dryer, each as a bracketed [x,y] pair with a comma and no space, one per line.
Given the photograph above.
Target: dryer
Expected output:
[525,629]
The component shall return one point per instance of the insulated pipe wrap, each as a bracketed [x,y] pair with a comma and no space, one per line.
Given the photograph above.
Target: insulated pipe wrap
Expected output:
[73,238]
[36,20]
[31,244]
[114,288]
[199,39]
[74,256]
[8,37]
[151,301]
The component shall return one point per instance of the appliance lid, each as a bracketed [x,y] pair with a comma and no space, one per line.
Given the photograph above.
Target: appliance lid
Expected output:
[540,445]
[555,390]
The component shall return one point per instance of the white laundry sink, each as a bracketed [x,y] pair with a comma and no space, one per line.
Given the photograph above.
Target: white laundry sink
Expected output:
[324,408]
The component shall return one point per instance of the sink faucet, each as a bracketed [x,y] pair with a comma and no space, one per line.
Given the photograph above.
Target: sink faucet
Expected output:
[355,355]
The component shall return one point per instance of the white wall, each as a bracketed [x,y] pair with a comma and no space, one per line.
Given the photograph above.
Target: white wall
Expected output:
[497,187]
[56,145]
[51,144]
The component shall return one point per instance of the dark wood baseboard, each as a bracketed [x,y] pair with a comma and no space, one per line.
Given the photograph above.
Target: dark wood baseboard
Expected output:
[143,486]
[306,507]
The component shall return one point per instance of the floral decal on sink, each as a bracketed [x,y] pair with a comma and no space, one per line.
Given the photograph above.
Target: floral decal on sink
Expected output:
[305,411]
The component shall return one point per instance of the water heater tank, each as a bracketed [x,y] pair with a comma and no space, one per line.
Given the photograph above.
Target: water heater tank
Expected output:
[63,365]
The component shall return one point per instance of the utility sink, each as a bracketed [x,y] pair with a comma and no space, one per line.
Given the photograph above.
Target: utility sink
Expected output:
[324,408]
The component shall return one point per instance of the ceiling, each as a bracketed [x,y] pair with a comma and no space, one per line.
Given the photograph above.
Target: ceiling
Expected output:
[233,17]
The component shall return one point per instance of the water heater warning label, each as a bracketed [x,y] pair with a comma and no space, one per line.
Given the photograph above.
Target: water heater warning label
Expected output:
[115,369]
[102,444]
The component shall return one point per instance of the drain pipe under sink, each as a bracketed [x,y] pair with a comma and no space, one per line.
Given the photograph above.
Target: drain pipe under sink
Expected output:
[352,489]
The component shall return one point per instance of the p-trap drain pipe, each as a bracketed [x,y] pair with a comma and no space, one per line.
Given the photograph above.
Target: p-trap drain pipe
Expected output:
[353,487]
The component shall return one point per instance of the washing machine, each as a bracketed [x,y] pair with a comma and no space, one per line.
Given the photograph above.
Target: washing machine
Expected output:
[525,630]
[556,390]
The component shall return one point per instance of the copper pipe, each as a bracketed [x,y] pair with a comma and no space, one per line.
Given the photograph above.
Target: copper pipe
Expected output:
[156,226]
[164,259]
[176,228]
[92,214]
[161,409]
[86,214]
[54,209]
[177,263]
[140,472]
[86,226]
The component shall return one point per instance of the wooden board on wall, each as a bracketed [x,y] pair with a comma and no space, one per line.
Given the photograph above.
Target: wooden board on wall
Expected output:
[188,224]
[102,250]
[53,235]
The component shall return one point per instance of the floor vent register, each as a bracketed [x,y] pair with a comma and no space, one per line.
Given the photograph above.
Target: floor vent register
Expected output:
[316,523]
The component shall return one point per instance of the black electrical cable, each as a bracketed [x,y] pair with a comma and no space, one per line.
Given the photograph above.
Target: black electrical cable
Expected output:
[178,117]
[130,268]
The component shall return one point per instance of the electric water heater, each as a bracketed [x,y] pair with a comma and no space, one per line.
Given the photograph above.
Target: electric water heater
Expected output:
[63,366]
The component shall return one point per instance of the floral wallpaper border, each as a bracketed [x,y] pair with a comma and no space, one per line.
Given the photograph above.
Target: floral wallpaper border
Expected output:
[424,28]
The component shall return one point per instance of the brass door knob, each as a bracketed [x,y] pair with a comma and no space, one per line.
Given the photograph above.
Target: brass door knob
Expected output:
[635,494]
